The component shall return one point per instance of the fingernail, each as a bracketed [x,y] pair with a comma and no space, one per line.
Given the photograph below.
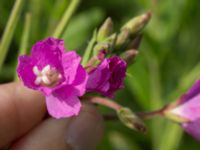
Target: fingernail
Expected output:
[86,130]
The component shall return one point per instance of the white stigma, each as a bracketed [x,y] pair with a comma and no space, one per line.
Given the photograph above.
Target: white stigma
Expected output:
[46,69]
[36,70]
[47,76]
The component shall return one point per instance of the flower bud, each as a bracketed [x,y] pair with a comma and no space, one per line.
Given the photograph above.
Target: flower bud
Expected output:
[186,111]
[122,38]
[129,119]
[129,55]
[105,30]
[106,45]
[100,46]
[136,24]
[135,43]
[95,60]
[107,77]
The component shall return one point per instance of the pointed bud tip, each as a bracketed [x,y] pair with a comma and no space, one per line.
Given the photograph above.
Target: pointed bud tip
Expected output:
[137,23]
[147,16]
[109,20]
[141,128]
[122,37]
[105,30]
[135,43]
[129,119]
[129,55]
[108,23]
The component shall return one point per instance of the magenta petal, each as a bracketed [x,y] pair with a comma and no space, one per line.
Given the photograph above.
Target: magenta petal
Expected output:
[99,77]
[45,90]
[192,128]
[52,44]
[62,108]
[25,71]
[108,76]
[63,102]
[189,109]
[48,52]
[192,92]
[71,62]
[80,80]
[57,74]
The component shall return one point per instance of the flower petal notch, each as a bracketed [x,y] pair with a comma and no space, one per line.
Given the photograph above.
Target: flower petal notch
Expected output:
[52,71]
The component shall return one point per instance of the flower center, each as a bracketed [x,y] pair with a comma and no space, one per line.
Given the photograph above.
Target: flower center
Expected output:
[47,76]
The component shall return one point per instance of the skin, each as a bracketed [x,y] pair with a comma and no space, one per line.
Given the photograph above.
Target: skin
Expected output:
[25,125]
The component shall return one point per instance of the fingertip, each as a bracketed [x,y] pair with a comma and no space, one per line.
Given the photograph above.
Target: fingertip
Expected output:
[20,110]
[83,132]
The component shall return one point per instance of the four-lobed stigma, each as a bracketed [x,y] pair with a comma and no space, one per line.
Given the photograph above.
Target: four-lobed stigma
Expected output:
[48,76]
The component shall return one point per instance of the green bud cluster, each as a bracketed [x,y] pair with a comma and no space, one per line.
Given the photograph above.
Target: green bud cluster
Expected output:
[129,36]
[125,43]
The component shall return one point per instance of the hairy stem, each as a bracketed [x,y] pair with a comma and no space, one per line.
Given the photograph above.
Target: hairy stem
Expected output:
[142,115]
[106,102]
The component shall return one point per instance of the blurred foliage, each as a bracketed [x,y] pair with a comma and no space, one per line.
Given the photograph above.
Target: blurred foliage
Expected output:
[167,65]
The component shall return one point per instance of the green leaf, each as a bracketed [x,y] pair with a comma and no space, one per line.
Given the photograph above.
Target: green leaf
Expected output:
[89,49]
[66,18]
[25,37]
[9,30]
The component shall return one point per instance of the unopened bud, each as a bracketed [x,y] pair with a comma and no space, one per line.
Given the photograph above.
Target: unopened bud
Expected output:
[106,45]
[112,39]
[99,47]
[129,55]
[136,24]
[105,30]
[128,118]
[135,43]
[122,38]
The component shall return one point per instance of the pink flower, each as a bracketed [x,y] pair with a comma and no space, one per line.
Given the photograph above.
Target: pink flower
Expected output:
[187,111]
[56,73]
[108,76]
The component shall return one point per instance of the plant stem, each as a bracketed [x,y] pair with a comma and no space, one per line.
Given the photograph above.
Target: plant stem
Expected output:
[142,115]
[106,102]
[148,115]
[9,30]
[65,19]
[87,53]
[114,105]
[25,37]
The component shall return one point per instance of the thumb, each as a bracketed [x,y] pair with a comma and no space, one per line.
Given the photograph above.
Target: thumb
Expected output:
[78,133]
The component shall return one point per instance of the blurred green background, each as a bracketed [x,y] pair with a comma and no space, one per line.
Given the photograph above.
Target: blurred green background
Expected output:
[168,62]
